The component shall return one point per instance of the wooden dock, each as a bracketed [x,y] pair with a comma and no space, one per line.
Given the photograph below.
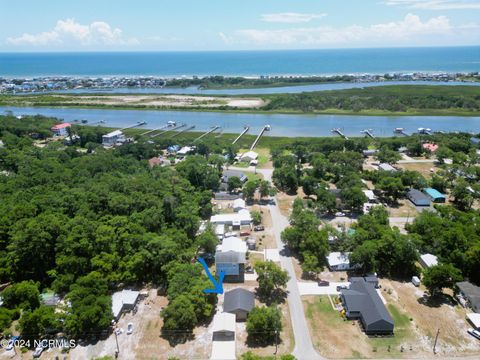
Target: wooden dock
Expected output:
[169,129]
[339,132]
[182,131]
[245,130]
[140,123]
[208,132]
[368,132]
[265,128]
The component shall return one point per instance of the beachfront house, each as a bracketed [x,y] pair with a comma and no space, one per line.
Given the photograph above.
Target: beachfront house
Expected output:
[230,258]
[61,129]
[113,138]
[361,301]
[435,195]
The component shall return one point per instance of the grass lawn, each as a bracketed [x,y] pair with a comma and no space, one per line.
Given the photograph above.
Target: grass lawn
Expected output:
[335,337]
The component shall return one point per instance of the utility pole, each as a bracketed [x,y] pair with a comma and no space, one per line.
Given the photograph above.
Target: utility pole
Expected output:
[435,344]
[118,349]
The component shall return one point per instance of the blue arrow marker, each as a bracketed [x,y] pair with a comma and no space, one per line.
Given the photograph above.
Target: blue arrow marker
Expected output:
[218,286]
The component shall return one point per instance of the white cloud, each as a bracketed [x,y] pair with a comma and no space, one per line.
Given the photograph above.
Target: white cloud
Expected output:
[70,32]
[411,30]
[436,4]
[291,18]
[226,39]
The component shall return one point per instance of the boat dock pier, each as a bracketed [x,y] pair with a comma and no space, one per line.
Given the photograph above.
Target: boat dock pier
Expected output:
[339,132]
[182,131]
[368,132]
[156,129]
[425,131]
[169,129]
[208,132]
[245,130]
[140,123]
[265,128]
[401,131]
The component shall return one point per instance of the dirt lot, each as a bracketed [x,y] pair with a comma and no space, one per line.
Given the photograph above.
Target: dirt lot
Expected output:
[422,168]
[145,342]
[161,101]
[416,325]
[404,209]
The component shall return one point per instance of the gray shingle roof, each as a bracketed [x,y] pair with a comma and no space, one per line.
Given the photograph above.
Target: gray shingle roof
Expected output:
[363,298]
[238,299]
[472,292]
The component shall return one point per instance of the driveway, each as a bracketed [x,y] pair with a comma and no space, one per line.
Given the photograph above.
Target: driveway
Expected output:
[312,288]
[304,349]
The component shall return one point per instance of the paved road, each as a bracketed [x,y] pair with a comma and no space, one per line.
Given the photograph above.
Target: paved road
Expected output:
[303,343]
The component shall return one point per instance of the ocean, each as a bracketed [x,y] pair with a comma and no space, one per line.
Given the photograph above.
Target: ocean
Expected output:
[243,63]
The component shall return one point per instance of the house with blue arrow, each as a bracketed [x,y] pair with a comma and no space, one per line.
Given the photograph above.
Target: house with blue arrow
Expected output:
[230,258]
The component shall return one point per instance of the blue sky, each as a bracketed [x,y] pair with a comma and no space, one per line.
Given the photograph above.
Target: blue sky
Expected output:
[163,25]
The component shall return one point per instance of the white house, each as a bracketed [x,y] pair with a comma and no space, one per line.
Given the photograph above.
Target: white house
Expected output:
[230,258]
[428,260]
[386,167]
[113,138]
[124,300]
[242,217]
[372,198]
[249,156]
[184,151]
[338,261]
[223,344]
[239,204]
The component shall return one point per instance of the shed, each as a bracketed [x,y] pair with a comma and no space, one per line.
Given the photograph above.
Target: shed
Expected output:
[386,167]
[474,319]
[239,302]
[224,327]
[361,301]
[471,293]
[428,260]
[435,195]
[415,281]
[369,152]
[418,198]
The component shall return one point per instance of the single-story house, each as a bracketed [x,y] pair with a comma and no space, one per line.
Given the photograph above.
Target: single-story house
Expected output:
[239,302]
[124,300]
[113,138]
[370,279]
[61,129]
[223,195]
[239,204]
[185,150]
[338,261]
[249,156]
[369,152]
[386,167]
[242,217]
[230,258]
[227,174]
[471,293]
[428,260]
[418,198]
[435,195]
[372,198]
[430,147]
[474,319]
[361,301]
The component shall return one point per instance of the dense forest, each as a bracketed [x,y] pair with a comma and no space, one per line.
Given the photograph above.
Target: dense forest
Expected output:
[386,98]
[84,221]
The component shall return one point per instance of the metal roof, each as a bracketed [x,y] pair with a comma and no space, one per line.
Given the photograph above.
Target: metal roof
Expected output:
[238,299]
[433,193]
[417,197]
[471,292]
[224,322]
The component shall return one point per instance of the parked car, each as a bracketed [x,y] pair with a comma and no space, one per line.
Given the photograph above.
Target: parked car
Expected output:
[259,228]
[39,349]
[340,214]
[323,283]
[244,233]
[129,328]
[474,333]
[342,287]
[249,269]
